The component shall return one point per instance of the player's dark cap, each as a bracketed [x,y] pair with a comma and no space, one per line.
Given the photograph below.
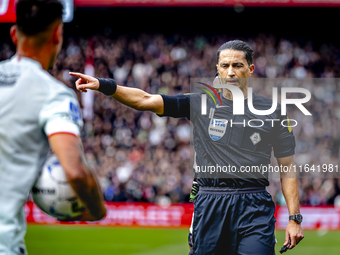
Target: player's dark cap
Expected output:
[237,45]
[35,16]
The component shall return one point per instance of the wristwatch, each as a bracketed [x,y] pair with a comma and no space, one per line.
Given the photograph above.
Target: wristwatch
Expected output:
[297,217]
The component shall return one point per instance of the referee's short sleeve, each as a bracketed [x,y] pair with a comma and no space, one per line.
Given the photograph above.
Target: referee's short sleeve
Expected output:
[283,137]
[177,106]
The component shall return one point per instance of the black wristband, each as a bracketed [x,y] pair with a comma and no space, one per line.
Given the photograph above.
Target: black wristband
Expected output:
[107,86]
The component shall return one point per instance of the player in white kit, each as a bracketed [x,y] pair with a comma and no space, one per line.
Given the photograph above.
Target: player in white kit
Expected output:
[36,112]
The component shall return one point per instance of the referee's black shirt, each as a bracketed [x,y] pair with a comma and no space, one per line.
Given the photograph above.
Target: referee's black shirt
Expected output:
[217,142]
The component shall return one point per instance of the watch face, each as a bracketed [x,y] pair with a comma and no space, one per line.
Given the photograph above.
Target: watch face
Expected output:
[298,218]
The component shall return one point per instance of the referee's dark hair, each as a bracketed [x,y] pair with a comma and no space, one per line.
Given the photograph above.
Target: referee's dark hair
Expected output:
[35,16]
[238,46]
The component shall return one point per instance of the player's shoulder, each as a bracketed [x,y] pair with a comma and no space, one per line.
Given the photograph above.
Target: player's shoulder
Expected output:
[7,67]
[20,65]
[56,85]
[8,73]
[60,100]
[30,74]
[55,88]
[33,75]
[4,63]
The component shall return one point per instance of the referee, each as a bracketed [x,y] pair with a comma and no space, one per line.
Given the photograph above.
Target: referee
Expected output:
[234,214]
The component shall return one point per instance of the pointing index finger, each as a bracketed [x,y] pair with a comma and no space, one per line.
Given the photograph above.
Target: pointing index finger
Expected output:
[79,75]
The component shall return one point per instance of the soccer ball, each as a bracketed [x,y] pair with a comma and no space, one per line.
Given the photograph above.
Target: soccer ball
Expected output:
[53,194]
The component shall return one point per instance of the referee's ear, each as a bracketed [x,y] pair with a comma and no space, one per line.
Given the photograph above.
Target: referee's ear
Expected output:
[251,69]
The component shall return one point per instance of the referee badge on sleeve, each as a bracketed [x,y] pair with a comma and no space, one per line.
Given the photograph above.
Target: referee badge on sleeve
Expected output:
[217,128]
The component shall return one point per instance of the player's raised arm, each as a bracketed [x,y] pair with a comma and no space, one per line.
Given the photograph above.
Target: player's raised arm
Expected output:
[69,151]
[132,97]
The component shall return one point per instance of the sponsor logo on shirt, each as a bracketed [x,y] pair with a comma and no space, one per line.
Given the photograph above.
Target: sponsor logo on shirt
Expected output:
[8,80]
[74,111]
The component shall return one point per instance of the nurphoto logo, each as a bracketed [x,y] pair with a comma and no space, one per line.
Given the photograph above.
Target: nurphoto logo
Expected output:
[238,99]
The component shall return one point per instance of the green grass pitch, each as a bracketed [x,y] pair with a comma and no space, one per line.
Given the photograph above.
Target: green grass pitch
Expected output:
[93,240]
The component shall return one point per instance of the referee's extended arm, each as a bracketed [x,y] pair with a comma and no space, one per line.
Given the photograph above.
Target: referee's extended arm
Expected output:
[290,190]
[132,97]
[139,99]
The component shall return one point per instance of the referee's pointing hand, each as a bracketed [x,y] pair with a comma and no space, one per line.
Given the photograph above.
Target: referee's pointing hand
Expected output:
[85,82]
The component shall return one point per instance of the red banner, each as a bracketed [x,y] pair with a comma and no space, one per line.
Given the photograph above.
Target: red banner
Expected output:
[323,218]
[128,214]
[207,3]
[7,7]
[179,215]
[7,11]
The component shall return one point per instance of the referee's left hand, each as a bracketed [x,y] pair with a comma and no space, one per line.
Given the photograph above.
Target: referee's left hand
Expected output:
[294,233]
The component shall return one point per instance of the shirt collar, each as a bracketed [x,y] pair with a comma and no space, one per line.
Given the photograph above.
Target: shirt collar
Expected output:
[26,61]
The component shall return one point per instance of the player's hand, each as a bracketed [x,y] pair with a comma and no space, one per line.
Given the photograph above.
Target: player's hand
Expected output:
[85,82]
[85,216]
[294,233]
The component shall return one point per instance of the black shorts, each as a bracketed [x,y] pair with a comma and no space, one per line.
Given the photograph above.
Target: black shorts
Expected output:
[233,222]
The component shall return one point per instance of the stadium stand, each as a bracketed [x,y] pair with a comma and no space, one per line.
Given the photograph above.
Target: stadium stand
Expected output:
[141,157]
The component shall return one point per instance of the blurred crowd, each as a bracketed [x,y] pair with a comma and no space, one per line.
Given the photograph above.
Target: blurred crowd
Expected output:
[139,156]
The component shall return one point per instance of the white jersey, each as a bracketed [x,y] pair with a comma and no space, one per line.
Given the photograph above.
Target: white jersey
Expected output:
[33,106]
